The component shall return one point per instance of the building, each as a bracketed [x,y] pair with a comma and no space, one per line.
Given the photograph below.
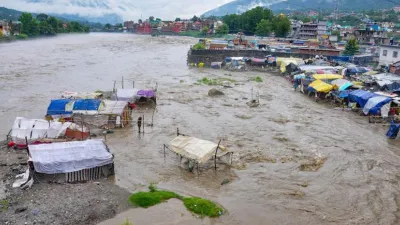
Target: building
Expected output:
[372,34]
[129,26]
[389,54]
[312,30]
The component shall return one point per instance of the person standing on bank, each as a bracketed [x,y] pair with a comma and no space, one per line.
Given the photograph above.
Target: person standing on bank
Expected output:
[139,123]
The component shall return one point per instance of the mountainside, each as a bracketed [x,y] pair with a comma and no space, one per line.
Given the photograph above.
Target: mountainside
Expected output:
[240,6]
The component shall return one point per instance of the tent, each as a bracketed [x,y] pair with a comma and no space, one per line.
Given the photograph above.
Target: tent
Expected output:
[320,86]
[341,84]
[65,157]
[58,107]
[327,76]
[33,130]
[376,104]
[361,97]
[86,105]
[196,149]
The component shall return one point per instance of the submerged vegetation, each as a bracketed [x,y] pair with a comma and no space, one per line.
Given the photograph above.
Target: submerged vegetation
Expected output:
[214,81]
[257,79]
[200,206]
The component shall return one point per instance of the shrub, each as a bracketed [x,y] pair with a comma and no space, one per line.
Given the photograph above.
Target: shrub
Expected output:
[203,207]
[199,46]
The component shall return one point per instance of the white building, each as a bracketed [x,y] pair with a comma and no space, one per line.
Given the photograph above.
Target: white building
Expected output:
[389,54]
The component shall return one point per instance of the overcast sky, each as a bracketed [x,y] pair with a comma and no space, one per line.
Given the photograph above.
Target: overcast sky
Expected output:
[127,9]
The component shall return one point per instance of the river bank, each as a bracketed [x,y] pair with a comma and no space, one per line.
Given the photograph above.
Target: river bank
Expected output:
[271,142]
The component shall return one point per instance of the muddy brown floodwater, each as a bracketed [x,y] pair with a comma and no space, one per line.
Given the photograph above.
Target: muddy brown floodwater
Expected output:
[357,184]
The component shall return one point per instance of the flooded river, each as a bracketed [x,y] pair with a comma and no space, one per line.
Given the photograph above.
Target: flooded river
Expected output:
[357,184]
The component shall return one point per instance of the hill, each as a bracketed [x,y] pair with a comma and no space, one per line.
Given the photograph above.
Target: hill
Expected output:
[240,6]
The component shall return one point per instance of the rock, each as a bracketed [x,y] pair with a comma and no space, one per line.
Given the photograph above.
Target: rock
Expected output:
[253,104]
[215,92]
[225,181]
[21,209]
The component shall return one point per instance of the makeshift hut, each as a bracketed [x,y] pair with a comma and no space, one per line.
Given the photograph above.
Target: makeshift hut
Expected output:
[78,160]
[60,108]
[378,105]
[197,150]
[28,131]
[118,112]
[361,97]
[320,88]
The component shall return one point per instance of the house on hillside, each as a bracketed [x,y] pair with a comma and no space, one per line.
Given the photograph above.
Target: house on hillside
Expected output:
[389,54]
[372,34]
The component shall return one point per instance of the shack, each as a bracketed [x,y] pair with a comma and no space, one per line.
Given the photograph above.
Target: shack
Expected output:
[33,131]
[78,160]
[197,151]
[60,108]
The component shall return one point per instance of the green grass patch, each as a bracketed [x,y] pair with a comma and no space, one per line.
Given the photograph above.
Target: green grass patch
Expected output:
[214,81]
[257,79]
[200,206]
[4,204]
[147,199]
[127,222]
[203,207]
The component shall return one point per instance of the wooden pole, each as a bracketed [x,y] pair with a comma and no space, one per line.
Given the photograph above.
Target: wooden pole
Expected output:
[164,151]
[115,82]
[215,158]
[122,82]
[177,131]
[143,123]
[133,84]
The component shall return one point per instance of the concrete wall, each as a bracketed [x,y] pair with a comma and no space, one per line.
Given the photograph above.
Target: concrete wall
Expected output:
[388,58]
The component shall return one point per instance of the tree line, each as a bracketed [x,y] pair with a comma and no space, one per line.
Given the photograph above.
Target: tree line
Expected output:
[45,25]
[259,21]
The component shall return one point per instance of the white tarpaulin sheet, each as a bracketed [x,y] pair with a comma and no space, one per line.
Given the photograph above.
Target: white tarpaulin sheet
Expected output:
[65,157]
[113,107]
[34,129]
[196,149]
[373,102]
[128,95]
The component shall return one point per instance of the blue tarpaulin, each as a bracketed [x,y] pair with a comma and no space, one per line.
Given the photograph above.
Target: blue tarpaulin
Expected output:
[340,58]
[393,130]
[87,104]
[374,104]
[57,107]
[361,97]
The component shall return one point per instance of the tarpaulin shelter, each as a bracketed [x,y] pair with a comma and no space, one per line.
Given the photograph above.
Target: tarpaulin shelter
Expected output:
[341,84]
[196,149]
[86,105]
[327,76]
[59,108]
[129,95]
[376,104]
[118,112]
[216,65]
[33,130]
[291,68]
[320,86]
[361,97]
[392,87]
[66,157]
[257,61]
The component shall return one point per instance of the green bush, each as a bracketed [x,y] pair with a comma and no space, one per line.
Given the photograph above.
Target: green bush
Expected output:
[258,79]
[22,37]
[203,207]
[199,46]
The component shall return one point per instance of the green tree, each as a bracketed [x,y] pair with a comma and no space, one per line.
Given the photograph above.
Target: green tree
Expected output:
[205,30]
[53,23]
[45,29]
[177,19]
[151,18]
[42,17]
[26,20]
[107,26]
[281,26]
[195,18]
[223,29]
[351,47]
[264,28]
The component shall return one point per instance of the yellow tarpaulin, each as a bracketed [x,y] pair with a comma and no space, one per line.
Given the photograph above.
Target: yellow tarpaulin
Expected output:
[321,86]
[327,76]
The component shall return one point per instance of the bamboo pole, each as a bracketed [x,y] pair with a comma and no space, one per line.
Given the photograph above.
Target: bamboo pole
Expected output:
[215,158]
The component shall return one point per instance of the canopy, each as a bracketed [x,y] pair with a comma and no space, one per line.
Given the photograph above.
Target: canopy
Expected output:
[57,107]
[314,67]
[341,84]
[320,86]
[196,149]
[286,62]
[327,76]
[361,97]
[257,60]
[375,104]
[146,93]
[66,157]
